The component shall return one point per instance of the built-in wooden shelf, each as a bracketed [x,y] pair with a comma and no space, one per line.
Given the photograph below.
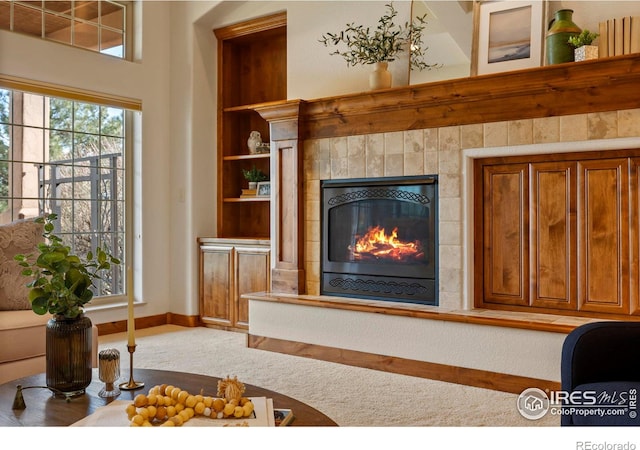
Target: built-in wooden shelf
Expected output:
[245,157]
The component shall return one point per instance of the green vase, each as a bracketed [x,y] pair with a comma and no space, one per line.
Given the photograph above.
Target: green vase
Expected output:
[561,27]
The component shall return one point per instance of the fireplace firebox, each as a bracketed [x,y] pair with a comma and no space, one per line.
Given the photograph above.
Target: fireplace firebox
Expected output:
[379,238]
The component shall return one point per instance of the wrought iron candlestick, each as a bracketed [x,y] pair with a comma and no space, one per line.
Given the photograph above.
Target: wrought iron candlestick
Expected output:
[131,384]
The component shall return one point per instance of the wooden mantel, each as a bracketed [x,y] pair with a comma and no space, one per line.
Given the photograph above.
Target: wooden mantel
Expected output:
[606,84]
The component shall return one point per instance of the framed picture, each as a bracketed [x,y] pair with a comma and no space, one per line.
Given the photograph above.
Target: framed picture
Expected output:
[507,35]
[264,189]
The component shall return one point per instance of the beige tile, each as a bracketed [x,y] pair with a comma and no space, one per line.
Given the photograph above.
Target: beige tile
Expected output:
[450,232]
[394,165]
[310,148]
[312,271]
[339,168]
[450,209]
[546,130]
[375,166]
[448,139]
[450,257]
[323,148]
[573,128]
[413,164]
[449,162]
[413,141]
[374,144]
[356,146]
[324,169]
[339,148]
[449,185]
[312,251]
[450,280]
[431,162]
[357,167]
[312,210]
[603,125]
[310,168]
[520,132]
[313,287]
[629,123]
[471,136]
[496,134]
[430,140]
[394,143]
[312,230]
[450,300]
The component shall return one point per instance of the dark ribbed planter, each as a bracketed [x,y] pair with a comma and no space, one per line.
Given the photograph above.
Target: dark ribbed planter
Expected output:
[68,355]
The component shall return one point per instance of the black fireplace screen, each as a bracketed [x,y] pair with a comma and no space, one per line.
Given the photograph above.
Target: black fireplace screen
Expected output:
[379,238]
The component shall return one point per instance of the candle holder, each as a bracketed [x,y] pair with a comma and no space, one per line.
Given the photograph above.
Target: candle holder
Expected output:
[131,384]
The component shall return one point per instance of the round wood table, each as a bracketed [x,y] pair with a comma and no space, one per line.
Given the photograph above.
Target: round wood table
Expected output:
[43,409]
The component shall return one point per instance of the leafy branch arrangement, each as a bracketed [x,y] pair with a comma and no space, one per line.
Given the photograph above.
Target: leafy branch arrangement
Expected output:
[366,46]
[61,282]
[586,37]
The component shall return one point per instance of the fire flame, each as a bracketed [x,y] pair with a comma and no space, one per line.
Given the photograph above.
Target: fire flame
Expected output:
[375,245]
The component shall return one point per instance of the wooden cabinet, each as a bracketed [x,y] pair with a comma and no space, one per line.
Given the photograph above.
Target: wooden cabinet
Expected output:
[228,269]
[558,233]
[252,72]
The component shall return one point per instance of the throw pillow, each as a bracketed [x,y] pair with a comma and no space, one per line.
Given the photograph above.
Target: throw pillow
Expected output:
[17,237]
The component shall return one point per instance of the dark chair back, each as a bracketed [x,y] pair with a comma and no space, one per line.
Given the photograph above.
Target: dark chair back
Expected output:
[600,352]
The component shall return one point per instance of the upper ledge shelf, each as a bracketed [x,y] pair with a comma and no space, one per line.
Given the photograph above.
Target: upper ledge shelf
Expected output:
[606,84]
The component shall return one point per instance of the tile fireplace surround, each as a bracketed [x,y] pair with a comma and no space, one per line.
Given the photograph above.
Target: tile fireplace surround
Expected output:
[517,114]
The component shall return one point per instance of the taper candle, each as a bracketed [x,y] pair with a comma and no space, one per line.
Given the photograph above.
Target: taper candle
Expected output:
[131,325]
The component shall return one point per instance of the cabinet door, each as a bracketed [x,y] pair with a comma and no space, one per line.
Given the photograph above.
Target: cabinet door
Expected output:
[506,234]
[603,222]
[216,284]
[553,235]
[252,272]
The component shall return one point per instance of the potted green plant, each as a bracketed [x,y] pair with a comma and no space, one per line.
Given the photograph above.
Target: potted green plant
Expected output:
[581,43]
[254,176]
[381,45]
[61,284]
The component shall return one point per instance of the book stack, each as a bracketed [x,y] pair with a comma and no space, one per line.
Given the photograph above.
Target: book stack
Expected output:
[619,36]
[248,193]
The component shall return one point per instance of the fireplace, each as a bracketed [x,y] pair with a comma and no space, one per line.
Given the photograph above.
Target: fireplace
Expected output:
[380,238]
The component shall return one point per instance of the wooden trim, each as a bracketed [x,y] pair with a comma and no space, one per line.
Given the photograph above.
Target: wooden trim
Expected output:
[252,26]
[606,84]
[120,326]
[83,95]
[514,384]
[526,320]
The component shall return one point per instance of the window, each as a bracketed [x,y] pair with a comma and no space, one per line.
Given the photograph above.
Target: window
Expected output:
[95,25]
[64,156]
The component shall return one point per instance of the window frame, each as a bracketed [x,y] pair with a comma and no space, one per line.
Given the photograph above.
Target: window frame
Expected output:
[131,121]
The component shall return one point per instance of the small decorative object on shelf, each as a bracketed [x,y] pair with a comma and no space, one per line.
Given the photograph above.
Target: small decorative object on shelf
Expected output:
[254,176]
[382,45]
[263,148]
[581,43]
[255,140]
[561,28]
[264,189]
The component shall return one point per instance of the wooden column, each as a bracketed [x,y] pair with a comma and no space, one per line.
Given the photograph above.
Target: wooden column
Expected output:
[287,196]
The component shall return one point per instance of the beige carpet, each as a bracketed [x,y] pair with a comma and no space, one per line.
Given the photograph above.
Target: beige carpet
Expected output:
[351,396]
